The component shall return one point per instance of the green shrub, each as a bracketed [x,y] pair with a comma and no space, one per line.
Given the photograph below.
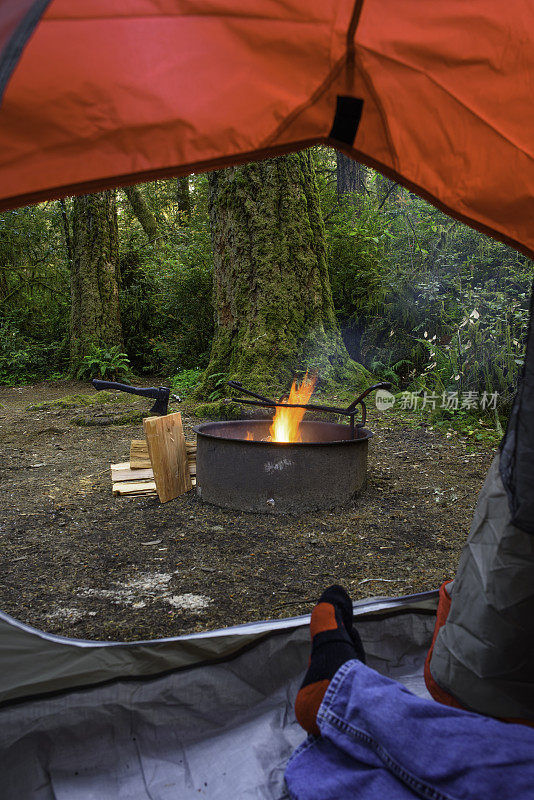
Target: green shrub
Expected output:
[166,294]
[140,317]
[104,362]
[356,240]
[23,359]
[186,381]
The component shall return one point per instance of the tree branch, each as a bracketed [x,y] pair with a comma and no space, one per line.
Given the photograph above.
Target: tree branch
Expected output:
[141,210]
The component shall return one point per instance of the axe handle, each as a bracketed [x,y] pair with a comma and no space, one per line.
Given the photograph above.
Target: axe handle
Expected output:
[151,391]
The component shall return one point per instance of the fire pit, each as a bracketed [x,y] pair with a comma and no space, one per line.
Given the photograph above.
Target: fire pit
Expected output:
[239,466]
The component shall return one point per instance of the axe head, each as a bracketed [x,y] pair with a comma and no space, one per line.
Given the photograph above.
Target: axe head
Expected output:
[161,406]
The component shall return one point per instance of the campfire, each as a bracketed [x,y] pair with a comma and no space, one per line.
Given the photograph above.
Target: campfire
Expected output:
[287,465]
[286,420]
[289,413]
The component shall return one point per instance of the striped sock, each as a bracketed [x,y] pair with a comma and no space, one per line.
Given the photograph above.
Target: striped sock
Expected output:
[334,641]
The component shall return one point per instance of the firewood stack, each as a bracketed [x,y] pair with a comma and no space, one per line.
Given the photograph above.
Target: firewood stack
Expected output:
[164,463]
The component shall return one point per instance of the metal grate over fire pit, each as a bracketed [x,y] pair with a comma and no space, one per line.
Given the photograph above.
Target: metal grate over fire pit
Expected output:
[239,468]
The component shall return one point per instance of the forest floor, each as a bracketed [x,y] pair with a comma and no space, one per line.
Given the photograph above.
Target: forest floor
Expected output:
[80,562]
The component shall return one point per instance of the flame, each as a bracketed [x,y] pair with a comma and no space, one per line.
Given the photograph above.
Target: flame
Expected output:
[286,421]
[249,437]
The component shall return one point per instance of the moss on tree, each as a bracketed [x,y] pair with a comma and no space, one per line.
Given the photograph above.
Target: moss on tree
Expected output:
[274,311]
[95,317]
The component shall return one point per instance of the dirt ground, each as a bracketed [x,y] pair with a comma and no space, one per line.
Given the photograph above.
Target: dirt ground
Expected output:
[78,561]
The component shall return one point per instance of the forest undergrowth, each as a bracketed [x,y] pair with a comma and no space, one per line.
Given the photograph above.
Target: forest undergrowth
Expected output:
[422,301]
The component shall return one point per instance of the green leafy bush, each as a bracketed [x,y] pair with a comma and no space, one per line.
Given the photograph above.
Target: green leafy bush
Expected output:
[455,312]
[219,381]
[140,317]
[186,380]
[166,288]
[23,359]
[186,309]
[104,362]
[356,241]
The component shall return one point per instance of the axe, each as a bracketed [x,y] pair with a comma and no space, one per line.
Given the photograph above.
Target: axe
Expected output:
[161,394]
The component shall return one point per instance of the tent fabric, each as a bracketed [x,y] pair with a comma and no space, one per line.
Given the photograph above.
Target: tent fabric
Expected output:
[221,729]
[17,22]
[115,91]
[517,450]
[484,653]
[35,663]
[444,606]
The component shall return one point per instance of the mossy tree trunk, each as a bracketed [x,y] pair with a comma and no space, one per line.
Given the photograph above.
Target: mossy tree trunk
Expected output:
[350,175]
[66,231]
[95,318]
[274,310]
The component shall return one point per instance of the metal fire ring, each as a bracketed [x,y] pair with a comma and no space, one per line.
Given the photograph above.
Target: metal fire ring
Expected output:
[327,469]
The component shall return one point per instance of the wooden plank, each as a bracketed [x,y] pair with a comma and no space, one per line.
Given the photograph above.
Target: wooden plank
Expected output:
[166,447]
[134,487]
[122,465]
[122,472]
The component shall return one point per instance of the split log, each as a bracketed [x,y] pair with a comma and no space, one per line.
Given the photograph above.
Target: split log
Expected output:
[134,487]
[123,472]
[139,458]
[168,456]
[138,488]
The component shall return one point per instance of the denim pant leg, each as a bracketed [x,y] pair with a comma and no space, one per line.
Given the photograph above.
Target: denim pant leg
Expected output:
[380,742]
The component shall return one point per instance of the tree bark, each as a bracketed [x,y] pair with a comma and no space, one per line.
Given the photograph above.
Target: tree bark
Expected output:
[142,212]
[350,176]
[183,197]
[274,310]
[66,231]
[95,318]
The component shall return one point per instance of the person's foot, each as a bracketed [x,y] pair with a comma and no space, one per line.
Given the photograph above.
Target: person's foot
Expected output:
[334,641]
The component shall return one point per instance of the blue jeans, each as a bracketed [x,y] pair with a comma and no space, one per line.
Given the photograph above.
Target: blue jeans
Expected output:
[379,741]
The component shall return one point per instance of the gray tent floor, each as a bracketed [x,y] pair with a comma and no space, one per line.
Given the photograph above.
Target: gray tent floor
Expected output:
[221,730]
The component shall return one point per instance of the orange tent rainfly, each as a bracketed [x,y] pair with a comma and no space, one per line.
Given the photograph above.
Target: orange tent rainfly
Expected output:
[436,95]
